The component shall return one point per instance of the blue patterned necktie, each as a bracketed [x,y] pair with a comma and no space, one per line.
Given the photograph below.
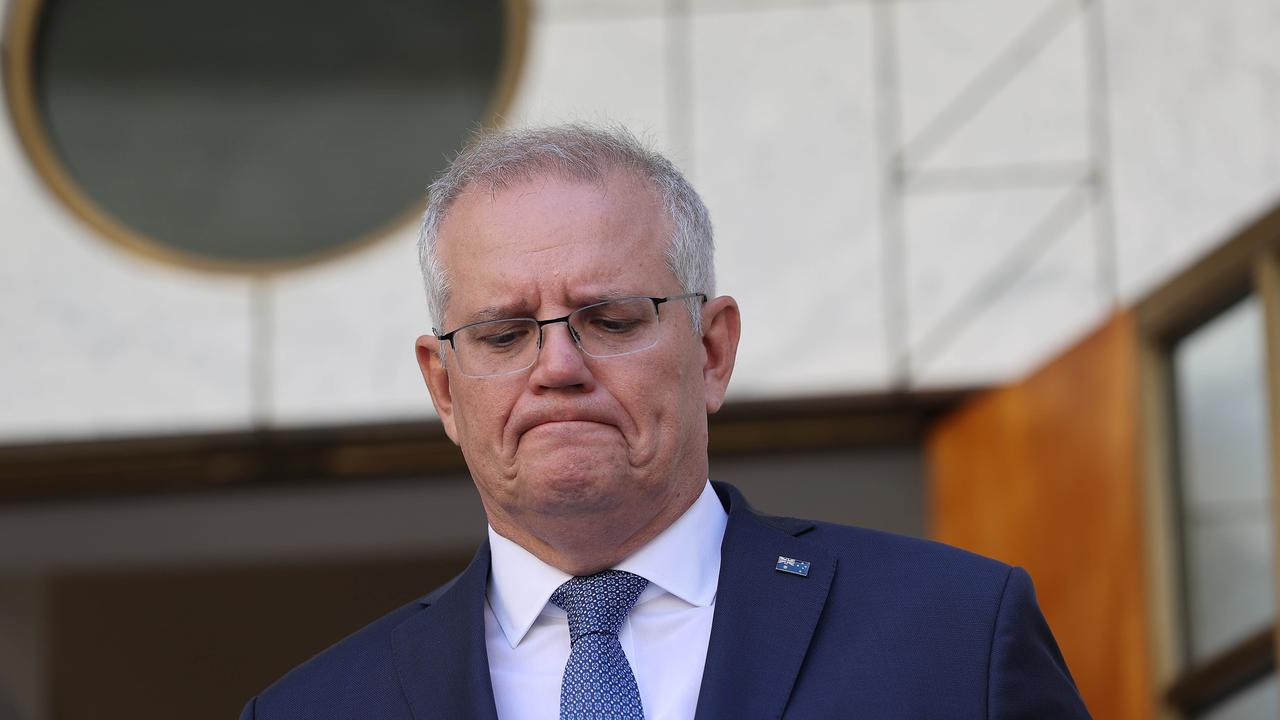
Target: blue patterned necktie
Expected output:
[598,682]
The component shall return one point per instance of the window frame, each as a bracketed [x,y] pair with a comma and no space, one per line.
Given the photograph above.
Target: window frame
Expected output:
[1248,263]
[18,48]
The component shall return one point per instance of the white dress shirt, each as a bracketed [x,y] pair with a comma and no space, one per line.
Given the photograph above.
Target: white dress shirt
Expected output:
[665,637]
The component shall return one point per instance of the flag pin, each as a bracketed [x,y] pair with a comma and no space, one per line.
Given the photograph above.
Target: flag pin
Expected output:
[792,566]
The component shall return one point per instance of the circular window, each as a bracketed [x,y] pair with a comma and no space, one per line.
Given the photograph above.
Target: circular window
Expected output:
[254,134]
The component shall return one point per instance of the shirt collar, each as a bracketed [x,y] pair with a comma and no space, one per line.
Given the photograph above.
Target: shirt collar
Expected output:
[683,560]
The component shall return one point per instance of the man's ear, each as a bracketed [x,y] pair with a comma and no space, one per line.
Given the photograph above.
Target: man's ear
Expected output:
[721,328]
[437,378]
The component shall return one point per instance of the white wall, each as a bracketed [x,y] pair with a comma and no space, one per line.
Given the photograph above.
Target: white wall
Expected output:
[788,116]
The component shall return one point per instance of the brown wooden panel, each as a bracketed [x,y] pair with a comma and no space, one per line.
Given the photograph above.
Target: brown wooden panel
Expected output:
[197,643]
[1044,473]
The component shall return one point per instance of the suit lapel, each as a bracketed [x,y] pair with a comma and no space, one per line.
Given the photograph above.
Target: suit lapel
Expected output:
[440,652]
[764,619]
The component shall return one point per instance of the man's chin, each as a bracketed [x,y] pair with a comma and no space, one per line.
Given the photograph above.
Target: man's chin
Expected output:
[584,485]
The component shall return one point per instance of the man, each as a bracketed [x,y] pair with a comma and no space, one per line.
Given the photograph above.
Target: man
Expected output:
[579,349]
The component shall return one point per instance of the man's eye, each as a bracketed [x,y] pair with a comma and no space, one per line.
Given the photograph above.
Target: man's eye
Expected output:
[503,340]
[614,326]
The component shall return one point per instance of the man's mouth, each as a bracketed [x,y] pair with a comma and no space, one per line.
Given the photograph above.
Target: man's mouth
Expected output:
[565,425]
[568,426]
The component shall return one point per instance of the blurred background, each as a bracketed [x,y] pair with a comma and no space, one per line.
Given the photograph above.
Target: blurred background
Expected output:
[1007,268]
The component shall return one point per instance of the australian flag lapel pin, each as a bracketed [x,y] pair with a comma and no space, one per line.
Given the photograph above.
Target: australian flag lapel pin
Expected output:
[792,566]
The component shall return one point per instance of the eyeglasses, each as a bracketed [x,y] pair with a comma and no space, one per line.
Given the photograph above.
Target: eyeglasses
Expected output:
[620,326]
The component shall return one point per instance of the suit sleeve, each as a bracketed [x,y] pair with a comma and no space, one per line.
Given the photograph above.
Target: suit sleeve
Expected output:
[250,710]
[1028,678]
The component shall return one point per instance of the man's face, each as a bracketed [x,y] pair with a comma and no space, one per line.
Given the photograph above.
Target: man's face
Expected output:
[575,440]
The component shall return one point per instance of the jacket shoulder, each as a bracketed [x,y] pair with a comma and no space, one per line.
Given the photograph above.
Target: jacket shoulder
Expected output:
[887,570]
[986,643]
[360,665]
[877,551]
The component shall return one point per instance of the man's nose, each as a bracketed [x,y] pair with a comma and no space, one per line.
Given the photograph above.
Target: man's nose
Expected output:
[560,361]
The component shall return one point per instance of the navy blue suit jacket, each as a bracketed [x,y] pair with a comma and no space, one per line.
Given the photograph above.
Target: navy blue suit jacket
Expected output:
[882,627]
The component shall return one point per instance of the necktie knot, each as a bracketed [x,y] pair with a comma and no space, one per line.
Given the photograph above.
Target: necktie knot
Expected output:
[598,603]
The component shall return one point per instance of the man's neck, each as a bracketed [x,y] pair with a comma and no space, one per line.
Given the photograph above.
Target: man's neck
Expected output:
[585,546]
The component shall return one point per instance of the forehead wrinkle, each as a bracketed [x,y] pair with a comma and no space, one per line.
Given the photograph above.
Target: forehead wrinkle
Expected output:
[554,245]
[585,298]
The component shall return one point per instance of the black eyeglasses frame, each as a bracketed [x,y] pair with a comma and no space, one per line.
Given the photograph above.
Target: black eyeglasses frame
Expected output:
[657,302]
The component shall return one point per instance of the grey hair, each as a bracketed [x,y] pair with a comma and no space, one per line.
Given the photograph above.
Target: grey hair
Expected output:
[500,158]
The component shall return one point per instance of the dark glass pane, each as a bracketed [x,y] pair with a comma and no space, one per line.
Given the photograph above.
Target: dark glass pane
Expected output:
[262,129]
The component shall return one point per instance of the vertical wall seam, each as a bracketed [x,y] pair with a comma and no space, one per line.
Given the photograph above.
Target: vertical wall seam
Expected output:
[679,70]
[1099,132]
[892,213]
[261,349]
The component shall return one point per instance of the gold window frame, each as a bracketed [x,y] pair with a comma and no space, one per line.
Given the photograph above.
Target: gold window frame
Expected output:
[19,47]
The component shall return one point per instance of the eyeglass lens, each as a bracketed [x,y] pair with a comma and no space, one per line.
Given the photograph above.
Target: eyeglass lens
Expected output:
[607,329]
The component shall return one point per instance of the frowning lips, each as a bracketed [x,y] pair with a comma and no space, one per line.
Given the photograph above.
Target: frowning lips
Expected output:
[527,420]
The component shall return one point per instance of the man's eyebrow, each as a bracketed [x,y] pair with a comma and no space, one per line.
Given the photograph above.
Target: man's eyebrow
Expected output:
[586,299]
[496,312]
[519,310]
